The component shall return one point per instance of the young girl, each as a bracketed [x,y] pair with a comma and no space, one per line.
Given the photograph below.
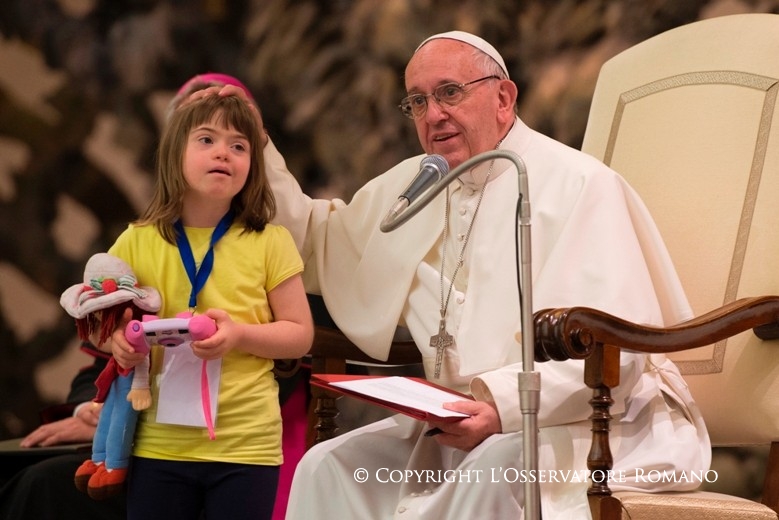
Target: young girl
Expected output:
[206,244]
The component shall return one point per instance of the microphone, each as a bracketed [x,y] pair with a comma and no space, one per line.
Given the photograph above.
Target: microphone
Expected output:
[528,381]
[431,170]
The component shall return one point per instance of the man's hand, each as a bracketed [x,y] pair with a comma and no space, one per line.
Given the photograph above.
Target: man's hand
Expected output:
[79,428]
[231,90]
[471,431]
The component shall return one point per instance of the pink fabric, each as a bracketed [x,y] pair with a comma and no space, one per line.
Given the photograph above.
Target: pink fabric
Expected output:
[294,417]
[216,78]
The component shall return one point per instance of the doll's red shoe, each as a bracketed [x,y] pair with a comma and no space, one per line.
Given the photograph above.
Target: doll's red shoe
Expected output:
[84,473]
[105,484]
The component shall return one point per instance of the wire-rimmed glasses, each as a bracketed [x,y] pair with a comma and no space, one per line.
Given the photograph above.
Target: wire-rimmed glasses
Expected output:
[415,105]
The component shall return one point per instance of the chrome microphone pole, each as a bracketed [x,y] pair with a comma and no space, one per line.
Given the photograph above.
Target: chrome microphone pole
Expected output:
[529,381]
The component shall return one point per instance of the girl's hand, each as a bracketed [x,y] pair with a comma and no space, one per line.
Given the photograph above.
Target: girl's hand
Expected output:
[289,336]
[223,340]
[123,352]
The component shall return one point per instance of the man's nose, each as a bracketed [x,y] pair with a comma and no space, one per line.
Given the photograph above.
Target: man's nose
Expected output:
[435,109]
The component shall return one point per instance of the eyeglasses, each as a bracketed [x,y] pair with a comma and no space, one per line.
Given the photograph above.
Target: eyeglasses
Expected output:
[415,105]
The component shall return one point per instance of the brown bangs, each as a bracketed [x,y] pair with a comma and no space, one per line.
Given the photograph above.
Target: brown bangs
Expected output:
[227,111]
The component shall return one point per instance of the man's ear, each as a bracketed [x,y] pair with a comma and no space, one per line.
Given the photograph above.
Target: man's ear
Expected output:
[507,96]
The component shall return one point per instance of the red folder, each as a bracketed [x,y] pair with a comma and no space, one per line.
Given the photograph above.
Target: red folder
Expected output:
[325,381]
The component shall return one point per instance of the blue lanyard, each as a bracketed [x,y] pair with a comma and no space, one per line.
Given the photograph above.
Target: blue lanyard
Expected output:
[198,277]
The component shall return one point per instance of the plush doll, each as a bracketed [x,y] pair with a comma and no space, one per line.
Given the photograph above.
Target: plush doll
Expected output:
[109,288]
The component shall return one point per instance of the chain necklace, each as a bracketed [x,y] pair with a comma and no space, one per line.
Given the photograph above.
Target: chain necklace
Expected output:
[443,339]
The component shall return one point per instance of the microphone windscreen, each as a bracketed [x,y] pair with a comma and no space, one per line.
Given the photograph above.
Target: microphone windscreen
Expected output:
[437,161]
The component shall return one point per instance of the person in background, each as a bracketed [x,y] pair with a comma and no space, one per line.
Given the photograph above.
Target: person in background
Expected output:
[445,276]
[207,244]
[45,489]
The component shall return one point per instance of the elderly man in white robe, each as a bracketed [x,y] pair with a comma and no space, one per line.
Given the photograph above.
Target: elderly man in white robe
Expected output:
[593,244]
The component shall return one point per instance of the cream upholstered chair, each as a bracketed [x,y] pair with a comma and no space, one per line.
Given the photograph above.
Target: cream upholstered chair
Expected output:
[689,118]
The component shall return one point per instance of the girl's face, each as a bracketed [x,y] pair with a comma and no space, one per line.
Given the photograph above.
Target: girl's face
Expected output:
[216,162]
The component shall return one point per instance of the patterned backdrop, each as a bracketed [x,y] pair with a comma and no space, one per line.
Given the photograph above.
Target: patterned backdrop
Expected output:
[83,84]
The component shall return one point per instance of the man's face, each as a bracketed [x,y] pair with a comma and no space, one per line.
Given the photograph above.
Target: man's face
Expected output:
[472,126]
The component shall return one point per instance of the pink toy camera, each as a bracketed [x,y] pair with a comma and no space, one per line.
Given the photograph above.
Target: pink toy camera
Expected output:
[168,332]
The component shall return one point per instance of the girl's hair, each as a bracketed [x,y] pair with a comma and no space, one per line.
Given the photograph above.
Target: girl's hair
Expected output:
[254,206]
[201,82]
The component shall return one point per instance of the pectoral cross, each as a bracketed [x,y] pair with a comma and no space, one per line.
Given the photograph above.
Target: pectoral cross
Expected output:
[440,342]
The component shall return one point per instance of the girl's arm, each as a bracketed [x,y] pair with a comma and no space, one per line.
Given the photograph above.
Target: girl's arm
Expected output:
[289,336]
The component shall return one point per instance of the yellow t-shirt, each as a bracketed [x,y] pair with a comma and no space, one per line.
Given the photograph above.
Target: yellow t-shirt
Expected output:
[246,267]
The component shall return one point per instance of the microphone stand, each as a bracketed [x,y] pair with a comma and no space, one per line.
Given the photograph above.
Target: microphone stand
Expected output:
[529,381]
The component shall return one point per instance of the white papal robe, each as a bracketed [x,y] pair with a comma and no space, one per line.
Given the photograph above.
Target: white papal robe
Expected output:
[593,244]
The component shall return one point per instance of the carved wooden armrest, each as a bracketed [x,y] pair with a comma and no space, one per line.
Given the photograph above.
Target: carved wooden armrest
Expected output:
[572,333]
[598,337]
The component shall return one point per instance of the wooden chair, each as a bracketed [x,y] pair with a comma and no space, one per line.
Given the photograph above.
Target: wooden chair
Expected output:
[689,118]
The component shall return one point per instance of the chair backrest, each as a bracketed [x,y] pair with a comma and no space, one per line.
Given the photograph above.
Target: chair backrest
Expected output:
[689,118]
